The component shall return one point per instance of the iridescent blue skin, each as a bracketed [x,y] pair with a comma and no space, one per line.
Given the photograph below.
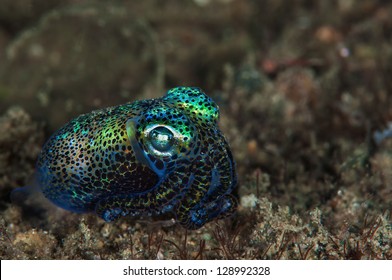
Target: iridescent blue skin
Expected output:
[147,158]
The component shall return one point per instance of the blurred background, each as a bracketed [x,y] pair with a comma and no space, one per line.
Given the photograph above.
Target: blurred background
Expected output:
[62,58]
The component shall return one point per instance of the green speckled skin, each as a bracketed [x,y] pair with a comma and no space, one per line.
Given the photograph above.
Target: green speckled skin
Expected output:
[145,158]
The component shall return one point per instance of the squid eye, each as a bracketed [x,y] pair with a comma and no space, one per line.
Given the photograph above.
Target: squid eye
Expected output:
[162,139]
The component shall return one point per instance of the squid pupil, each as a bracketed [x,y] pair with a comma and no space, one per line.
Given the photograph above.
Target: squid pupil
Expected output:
[161,138]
